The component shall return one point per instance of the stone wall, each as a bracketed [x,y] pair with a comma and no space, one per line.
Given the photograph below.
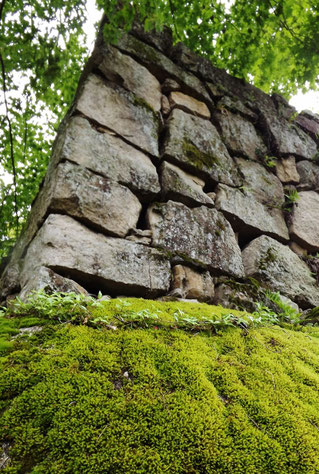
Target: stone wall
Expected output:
[169,175]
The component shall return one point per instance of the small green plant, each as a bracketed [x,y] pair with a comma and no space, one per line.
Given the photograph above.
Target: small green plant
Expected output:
[292,196]
[264,315]
[61,307]
[288,313]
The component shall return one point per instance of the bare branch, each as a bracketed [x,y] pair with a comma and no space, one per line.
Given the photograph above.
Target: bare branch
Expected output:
[3,73]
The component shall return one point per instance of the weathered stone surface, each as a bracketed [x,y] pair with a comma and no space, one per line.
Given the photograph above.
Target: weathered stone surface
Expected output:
[277,267]
[202,235]
[248,216]
[107,155]
[290,140]
[162,40]
[170,85]
[120,111]
[140,236]
[235,105]
[262,184]
[166,108]
[240,135]
[49,281]
[130,74]
[114,266]
[95,200]
[196,144]
[193,284]
[161,66]
[286,170]
[309,124]
[304,228]
[309,175]
[10,280]
[233,298]
[189,104]
[178,185]
[301,252]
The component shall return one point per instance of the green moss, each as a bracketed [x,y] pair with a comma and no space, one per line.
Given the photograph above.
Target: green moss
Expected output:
[198,158]
[140,102]
[270,257]
[153,401]
[9,327]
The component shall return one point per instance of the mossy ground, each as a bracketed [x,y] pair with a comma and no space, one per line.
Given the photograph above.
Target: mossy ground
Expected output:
[75,399]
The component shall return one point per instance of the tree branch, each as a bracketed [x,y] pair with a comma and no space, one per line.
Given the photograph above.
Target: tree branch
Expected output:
[3,73]
[1,8]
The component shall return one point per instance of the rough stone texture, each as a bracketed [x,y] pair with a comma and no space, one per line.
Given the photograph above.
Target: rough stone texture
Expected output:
[193,284]
[240,135]
[189,104]
[309,124]
[161,66]
[235,105]
[286,170]
[120,111]
[248,216]
[166,108]
[277,267]
[201,235]
[196,144]
[309,175]
[104,263]
[107,155]
[261,183]
[178,185]
[162,40]
[290,140]
[105,169]
[49,281]
[233,298]
[298,249]
[122,69]
[304,227]
[10,281]
[93,199]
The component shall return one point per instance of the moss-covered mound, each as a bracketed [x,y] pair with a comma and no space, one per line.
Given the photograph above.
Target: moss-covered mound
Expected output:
[76,399]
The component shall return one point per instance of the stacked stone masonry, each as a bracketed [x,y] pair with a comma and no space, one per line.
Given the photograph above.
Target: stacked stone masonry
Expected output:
[168,176]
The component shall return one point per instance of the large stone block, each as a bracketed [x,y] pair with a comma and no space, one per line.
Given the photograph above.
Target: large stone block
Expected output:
[309,175]
[240,135]
[47,280]
[277,267]
[120,111]
[189,104]
[195,143]
[291,140]
[261,183]
[193,284]
[161,66]
[108,155]
[304,227]
[112,265]
[201,235]
[248,216]
[131,75]
[286,170]
[180,186]
[95,200]
[309,123]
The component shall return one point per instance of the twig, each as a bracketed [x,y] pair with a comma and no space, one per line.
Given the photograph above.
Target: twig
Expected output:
[3,72]
[1,8]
